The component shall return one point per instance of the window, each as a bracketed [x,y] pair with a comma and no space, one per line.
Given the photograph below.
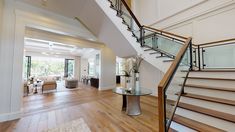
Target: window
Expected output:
[91,68]
[45,66]
[69,68]
[27,67]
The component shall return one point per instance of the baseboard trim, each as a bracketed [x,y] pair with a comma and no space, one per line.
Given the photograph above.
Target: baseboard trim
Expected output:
[10,116]
[107,87]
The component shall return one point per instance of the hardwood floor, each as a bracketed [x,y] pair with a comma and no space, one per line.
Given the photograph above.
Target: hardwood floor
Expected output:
[101,110]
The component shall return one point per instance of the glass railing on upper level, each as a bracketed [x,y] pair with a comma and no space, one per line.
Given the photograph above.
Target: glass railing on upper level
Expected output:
[164,42]
[215,55]
[161,42]
[127,16]
[172,85]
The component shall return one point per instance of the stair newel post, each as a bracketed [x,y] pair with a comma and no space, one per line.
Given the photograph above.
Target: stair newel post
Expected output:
[203,62]
[191,55]
[199,58]
[119,9]
[142,36]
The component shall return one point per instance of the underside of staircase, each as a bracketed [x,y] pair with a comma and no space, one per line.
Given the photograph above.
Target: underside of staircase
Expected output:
[157,58]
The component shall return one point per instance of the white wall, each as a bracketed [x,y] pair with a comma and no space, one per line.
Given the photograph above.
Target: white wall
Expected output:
[146,11]
[150,77]
[208,21]
[167,8]
[1,17]
[107,69]
[204,20]
[1,20]
[151,11]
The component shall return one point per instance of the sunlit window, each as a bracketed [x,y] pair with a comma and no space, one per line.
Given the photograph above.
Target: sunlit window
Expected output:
[45,66]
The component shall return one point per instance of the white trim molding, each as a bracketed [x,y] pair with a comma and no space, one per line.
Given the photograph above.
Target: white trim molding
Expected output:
[179,17]
[10,116]
[176,13]
[107,88]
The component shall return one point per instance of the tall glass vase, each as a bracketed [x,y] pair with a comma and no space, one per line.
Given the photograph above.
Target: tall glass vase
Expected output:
[137,82]
[128,83]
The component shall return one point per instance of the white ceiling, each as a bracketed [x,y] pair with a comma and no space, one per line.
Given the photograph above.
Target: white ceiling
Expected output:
[50,10]
[62,7]
[54,48]
[97,22]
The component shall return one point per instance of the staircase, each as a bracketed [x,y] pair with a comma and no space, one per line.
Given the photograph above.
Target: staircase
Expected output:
[157,47]
[208,100]
[191,98]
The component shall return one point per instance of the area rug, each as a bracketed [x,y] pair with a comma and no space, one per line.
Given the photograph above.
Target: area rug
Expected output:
[78,125]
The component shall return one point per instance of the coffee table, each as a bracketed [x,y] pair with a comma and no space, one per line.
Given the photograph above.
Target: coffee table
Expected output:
[131,99]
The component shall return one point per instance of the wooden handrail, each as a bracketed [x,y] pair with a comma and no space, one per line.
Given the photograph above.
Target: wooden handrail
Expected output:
[172,34]
[165,82]
[131,13]
[164,35]
[216,42]
[154,29]
[174,65]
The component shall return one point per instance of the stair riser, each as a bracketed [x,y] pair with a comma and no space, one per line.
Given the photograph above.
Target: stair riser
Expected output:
[213,74]
[212,83]
[181,128]
[211,93]
[222,124]
[209,105]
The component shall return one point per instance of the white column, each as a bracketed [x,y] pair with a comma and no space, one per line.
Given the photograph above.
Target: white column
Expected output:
[107,69]
[11,67]
[84,67]
[77,67]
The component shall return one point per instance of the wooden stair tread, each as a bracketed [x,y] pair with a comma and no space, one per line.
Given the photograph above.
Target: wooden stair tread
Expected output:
[209,78]
[168,60]
[216,70]
[210,112]
[211,99]
[148,49]
[172,130]
[209,87]
[156,52]
[162,56]
[198,126]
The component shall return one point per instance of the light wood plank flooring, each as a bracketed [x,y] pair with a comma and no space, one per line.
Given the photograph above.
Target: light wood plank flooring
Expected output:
[101,110]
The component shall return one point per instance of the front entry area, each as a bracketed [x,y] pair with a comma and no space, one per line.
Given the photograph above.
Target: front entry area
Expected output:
[99,110]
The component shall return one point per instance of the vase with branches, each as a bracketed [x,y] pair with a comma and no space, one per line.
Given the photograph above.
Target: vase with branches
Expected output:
[136,63]
[136,67]
[127,78]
